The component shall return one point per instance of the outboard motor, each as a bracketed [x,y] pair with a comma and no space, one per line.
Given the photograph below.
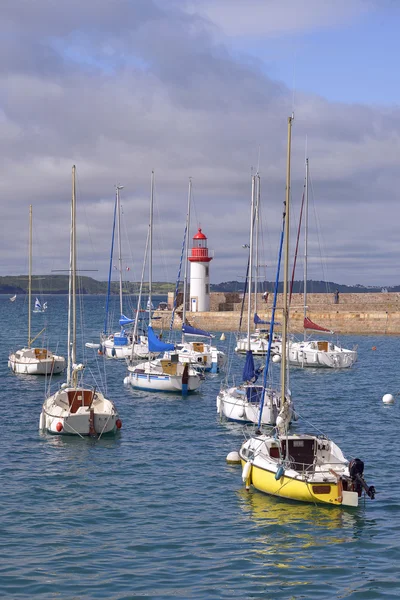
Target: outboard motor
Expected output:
[356,470]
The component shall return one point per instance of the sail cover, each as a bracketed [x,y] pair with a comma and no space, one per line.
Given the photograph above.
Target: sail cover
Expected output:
[249,372]
[123,320]
[188,329]
[259,321]
[308,324]
[155,344]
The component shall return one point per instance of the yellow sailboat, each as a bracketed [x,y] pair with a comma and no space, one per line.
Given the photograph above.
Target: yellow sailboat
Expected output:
[307,468]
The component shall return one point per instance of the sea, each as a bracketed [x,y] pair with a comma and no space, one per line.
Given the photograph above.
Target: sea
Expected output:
[157,512]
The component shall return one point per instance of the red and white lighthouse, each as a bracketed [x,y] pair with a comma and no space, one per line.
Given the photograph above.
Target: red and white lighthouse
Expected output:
[199,274]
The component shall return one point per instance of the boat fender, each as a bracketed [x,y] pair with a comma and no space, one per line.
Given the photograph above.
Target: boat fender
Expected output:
[126,380]
[280,472]
[246,475]
[219,402]
[233,458]
[113,352]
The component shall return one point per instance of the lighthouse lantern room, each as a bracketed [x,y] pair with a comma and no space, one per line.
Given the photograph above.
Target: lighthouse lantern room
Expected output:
[199,274]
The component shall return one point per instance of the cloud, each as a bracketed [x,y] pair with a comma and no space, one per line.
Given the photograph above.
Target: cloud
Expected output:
[122,88]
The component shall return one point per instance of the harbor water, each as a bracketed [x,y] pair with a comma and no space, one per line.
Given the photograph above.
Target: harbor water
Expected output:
[158,513]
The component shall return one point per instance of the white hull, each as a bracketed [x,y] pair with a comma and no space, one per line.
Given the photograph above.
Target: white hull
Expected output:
[311,354]
[152,377]
[208,359]
[258,344]
[80,412]
[36,361]
[123,352]
[234,405]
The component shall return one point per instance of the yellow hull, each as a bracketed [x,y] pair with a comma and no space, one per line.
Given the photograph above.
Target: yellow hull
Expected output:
[294,489]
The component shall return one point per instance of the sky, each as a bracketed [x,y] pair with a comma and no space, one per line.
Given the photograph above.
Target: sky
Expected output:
[201,89]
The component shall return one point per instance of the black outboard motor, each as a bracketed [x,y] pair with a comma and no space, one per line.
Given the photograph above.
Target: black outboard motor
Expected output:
[356,470]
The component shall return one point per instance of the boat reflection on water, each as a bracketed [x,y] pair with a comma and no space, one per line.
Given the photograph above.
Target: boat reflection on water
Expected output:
[290,523]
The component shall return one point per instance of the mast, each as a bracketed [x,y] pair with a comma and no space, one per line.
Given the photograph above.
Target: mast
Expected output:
[186,256]
[253,182]
[151,245]
[118,188]
[305,245]
[110,271]
[30,276]
[257,216]
[73,278]
[285,311]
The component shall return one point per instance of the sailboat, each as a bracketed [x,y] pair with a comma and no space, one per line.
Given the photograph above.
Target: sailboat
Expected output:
[39,307]
[13,298]
[167,374]
[303,467]
[29,360]
[75,408]
[123,343]
[201,354]
[248,402]
[321,353]
[258,339]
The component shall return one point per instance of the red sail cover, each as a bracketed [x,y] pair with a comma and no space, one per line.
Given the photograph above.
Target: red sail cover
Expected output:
[308,324]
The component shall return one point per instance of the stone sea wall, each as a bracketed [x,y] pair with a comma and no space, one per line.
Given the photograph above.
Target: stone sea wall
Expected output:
[377,313]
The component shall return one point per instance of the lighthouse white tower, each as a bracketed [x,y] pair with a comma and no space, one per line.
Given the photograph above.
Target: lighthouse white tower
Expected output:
[199,274]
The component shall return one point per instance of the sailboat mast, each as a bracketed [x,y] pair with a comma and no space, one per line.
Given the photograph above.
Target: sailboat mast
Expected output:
[257,216]
[30,276]
[186,256]
[285,310]
[253,183]
[73,277]
[151,245]
[118,188]
[305,246]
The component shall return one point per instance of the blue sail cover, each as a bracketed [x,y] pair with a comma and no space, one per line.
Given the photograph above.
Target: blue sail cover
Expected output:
[258,321]
[193,331]
[155,344]
[123,320]
[249,372]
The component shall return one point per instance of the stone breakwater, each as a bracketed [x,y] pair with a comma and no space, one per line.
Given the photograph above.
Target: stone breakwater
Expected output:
[377,313]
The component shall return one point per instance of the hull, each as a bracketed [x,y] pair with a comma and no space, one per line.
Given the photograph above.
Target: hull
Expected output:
[123,352]
[233,405]
[337,358]
[25,363]
[81,412]
[294,489]
[258,345]
[162,383]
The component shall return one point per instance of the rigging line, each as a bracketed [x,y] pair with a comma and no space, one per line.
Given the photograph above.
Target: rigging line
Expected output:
[297,247]
[322,250]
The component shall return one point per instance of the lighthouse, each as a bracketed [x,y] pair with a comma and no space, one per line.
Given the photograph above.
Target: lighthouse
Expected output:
[199,274]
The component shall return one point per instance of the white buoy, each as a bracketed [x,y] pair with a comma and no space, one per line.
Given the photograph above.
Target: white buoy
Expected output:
[222,337]
[276,358]
[388,399]
[233,458]
[126,380]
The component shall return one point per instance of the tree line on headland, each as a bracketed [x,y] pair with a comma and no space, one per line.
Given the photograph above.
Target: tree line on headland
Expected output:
[58,284]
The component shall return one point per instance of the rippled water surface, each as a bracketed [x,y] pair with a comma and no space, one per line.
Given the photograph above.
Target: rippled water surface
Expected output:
[157,512]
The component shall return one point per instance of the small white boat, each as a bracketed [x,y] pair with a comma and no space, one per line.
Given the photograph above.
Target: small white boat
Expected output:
[163,375]
[13,298]
[77,409]
[29,360]
[39,308]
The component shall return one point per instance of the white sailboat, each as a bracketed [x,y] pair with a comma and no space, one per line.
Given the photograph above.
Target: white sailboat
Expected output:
[75,408]
[13,298]
[167,374]
[121,344]
[30,360]
[258,339]
[248,402]
[321,353]
[303,467]
[39,307]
